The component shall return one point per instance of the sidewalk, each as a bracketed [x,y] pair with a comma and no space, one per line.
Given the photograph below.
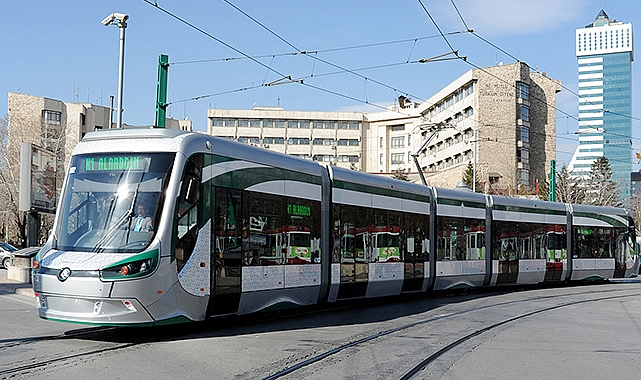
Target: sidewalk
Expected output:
[8,286]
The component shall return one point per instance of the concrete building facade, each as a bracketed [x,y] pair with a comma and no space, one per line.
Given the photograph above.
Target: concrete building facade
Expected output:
[331,137]
[506,114]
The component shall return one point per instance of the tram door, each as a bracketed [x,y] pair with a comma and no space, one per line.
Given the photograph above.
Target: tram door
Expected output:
[415,251]
[227,239]
[355,245]
[506,251]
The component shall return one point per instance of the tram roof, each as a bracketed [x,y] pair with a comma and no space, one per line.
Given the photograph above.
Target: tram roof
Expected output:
[529,203]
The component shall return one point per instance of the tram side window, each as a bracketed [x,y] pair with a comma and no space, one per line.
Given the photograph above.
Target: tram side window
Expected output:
[265,240]
[506,241]
[458,239]
[301,235]
[187,210]
[351,227]
[385,236]
[415,235]
[595,242]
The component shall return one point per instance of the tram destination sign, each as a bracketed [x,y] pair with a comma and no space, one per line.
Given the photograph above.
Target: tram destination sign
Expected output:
[120,162]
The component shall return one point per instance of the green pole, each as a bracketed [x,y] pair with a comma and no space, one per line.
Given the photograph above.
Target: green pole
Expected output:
[552,180]
[161,92]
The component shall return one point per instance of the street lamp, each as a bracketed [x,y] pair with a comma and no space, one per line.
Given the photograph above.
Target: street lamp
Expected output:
[120,20]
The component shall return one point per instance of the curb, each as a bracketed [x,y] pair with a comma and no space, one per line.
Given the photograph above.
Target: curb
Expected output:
[27,292]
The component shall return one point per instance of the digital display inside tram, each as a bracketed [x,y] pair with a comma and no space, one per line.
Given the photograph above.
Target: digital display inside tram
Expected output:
[118,163]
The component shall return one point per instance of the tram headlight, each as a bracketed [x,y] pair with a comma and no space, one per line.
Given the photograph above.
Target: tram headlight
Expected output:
[138,266]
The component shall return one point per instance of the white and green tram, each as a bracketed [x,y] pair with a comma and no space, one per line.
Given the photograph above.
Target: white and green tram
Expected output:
[235,229]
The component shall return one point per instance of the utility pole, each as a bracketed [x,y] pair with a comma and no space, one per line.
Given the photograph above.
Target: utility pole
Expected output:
[161,92]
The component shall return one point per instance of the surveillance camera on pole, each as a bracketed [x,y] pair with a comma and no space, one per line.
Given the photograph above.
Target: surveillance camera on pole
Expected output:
[111,19]
[120,20]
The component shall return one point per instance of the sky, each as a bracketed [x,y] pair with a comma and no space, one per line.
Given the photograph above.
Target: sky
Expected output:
[231,54]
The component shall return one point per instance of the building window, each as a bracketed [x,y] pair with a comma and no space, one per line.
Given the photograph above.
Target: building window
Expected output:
[381,143]
[523,133]
[297,141]
[469,89]
[304,124]
[348,158]
[354,125]
[317,124]
[523,112]
[329,124]
[380,159]
[216,122]
[323,158]
[398,142]
[292,123]
[397,158]
[229,122]
[458,95]
[468,112]
[342,125]
[524,176]
[268,123]
[52,117]
[523,156]
[274,140]
[395,128]
[449,102]
[348,142]
[279,123]
[522,91]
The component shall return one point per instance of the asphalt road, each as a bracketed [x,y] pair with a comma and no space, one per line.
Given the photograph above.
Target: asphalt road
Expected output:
[579,332]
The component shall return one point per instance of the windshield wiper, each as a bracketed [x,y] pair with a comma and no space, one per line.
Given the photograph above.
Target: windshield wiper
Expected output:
[111,232]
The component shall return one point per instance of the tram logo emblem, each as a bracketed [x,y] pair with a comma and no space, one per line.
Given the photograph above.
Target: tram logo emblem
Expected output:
[64,274]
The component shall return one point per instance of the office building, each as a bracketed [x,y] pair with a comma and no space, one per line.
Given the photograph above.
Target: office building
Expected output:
[509,108]
[331,137]
[604,49]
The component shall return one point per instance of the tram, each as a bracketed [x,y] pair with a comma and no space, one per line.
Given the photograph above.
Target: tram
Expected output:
[234,229]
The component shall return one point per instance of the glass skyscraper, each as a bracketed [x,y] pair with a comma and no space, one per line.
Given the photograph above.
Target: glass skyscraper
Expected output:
[605,52]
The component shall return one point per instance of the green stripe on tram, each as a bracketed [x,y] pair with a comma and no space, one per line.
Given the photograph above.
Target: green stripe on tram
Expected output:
[529,210]
[243,178]
[394,193]
[459,202]
[604,218]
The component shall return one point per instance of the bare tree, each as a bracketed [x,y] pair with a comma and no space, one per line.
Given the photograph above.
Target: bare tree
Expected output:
[601,190]
[635,206]
[14,221]
[569,188]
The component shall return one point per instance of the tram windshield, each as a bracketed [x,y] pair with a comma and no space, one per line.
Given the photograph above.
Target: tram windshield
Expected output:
[111,201]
